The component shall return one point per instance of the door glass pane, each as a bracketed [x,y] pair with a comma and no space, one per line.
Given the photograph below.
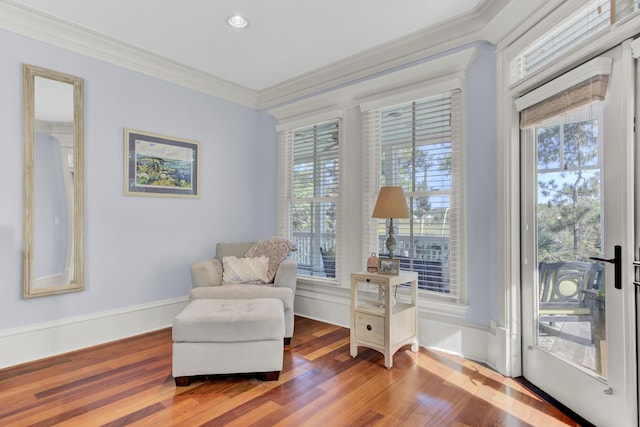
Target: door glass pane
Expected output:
[571,304]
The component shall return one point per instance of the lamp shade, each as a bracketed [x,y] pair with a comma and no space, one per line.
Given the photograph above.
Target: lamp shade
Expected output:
[391,203]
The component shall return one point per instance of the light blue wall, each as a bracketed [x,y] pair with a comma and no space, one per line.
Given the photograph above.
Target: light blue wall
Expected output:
[266,171]
[481,187]
[138,249]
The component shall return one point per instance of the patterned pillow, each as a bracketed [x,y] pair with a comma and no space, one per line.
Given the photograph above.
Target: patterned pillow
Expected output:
[276,248]
[243,270]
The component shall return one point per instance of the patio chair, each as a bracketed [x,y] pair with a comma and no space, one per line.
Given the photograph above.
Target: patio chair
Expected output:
[562,290]
[572,292]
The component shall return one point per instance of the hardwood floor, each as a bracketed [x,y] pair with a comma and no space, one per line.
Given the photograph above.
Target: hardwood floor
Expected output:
[129,382]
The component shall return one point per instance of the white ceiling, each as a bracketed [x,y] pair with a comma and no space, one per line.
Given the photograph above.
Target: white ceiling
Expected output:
[284,39]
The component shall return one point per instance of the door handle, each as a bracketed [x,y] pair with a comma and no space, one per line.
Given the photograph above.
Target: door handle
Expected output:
[617,263]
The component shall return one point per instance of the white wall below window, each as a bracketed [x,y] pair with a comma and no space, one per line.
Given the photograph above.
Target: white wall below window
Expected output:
[437,332]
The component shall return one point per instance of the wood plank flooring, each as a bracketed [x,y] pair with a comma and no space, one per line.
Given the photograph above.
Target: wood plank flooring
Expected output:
[129,382]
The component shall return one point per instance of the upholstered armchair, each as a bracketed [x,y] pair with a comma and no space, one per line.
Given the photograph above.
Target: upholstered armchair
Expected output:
[237,273]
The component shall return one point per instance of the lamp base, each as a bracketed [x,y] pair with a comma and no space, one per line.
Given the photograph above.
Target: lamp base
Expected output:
[391,242]
[381,299]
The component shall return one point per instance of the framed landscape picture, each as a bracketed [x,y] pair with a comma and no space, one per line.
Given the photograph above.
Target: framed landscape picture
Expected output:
[160,166]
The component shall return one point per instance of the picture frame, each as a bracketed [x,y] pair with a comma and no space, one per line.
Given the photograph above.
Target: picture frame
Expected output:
[389,266]
[160,166]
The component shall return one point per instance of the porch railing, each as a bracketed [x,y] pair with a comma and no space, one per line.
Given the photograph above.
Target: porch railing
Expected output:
[429,256]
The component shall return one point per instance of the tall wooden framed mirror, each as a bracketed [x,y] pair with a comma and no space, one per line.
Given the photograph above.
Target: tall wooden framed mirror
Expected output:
[53,230]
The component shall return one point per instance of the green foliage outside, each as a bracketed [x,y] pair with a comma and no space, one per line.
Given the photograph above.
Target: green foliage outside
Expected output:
[420,169]
[569,207]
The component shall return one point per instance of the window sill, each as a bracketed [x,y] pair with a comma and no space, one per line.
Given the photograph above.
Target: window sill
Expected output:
[429,303]
[311,280]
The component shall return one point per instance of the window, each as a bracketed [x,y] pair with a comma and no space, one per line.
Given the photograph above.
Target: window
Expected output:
[584,25]
[416,145]
[566,128]
[310,195]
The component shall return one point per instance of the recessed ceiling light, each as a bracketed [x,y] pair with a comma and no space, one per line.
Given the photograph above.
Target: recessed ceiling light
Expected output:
[237,21]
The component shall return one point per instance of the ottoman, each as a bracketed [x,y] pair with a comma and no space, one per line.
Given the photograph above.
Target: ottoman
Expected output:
[232,336]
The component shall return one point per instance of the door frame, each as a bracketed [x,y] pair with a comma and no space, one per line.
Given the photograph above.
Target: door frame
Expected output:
[619,230]
[508,330]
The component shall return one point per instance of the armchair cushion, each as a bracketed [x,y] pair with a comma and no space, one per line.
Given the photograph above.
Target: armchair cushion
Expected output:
[206,273]
[244,270]
[208,283]
[276,249]
[233,249]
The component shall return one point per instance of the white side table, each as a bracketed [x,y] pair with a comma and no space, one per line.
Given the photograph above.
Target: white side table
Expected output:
[383,327]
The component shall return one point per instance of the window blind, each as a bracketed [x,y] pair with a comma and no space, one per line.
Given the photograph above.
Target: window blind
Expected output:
[416,145]
[311,199]
[582,26]
[593,89]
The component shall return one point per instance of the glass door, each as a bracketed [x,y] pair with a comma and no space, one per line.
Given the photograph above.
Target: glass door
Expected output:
[575,220]
[571,319]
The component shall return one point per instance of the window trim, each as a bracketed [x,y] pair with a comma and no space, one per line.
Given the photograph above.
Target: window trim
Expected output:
[316,118]
[580,74]
[623,29]
[285,180]
[508,324]
[566,26]
[425,77]
[425,90]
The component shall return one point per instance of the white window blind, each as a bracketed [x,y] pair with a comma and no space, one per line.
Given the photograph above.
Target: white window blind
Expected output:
[310,190]
[583,25]
[416,145]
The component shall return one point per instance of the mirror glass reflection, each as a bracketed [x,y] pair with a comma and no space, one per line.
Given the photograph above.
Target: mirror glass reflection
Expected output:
[53,182]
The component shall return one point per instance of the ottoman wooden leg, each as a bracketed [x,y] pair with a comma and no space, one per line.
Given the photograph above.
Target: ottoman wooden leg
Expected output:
[271,376]
[287,341]
[182,381]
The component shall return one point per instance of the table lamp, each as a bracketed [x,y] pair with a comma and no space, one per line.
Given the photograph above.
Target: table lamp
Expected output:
[391,204]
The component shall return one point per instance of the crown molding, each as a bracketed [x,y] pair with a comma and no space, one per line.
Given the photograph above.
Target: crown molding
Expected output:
[32,23]
[517,18]
[397,53]
[428,78]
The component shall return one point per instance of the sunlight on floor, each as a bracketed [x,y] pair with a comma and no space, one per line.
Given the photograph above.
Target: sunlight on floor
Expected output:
[479,381]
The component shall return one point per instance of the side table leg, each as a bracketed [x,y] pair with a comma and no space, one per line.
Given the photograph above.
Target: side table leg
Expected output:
[353,348]
[388,360]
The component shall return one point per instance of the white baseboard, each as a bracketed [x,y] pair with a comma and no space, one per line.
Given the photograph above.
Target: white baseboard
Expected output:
[329,304]
[497,340]
[322,303]
[25,344]
[453,336]
[332,305]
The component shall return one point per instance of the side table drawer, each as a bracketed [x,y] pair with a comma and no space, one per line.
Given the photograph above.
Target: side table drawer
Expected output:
[372,280]
[369,328]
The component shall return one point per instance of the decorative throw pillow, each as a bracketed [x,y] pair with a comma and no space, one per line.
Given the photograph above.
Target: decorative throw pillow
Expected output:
[276,248]
[242,270]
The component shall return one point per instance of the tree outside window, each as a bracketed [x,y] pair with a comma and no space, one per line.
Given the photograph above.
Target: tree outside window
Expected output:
[569,206]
